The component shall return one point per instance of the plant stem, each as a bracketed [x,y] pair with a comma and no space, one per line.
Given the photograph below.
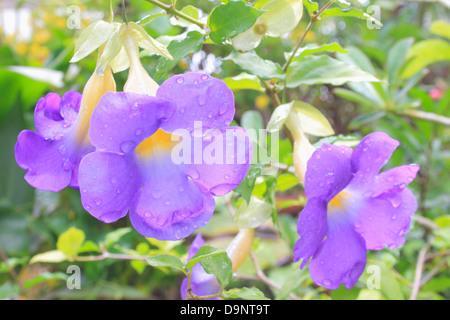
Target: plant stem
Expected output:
[314,18]
[170,9]
[419,271]
[427,116]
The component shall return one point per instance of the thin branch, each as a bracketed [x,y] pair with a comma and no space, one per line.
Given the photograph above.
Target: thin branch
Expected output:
[428,116]
[170,9]
[265,279]
[433,272]
[419,269]
[314,18]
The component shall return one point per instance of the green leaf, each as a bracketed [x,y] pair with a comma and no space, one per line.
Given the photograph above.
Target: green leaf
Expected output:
[245,293]
[228,20]
[146,42]
[311,6]
[251,63]
[70,241]
[53,256]
[395,59]
[214,261]
[245,189]
[254,214]
[244,81]
[353,12]
[312,48]
[44,277]
[92,38]
[425,53]
[188,10]
[440,28]
[166,260]
[179,49]
[114,236]
[365,118]
[286,181]
[53,77]
[322,69]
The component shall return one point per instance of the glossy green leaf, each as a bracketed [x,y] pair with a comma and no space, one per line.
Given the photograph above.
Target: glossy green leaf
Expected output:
[44,277]
[245,294]
[311,6]
[245,188]
[244,81]
[251,63]
[179,49]
[353,13]
[228,20]
[166,260]
[312,48]
[322,69]
[214,261]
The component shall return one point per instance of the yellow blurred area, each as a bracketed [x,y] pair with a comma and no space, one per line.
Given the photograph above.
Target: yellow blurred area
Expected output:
[262,102]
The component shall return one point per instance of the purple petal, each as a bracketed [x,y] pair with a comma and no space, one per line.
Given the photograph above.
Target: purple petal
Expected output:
[202,283]
[122,120]
[328,171]
[198,97]
[170,206]
[46,162]
[312,228]
[394,180]
[370,155]
[108,184]
[196,244]
[53,116]
[341,259]
[219,158]
[383,221]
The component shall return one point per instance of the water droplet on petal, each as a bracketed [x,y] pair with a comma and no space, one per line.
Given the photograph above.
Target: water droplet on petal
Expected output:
[326,282]
[180,80]
[226,177]
[67,165]
[138,131]
[201,99]
[98,202]
[204,77]
[127,146]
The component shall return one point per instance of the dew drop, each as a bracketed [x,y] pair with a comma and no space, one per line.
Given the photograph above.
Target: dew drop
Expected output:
[127,146]
[394,217]
[180,80]
[201,99]
[318,156]
[223,109]
[113,180]
[204,77]
[138,132]
[98,202]
[226,177]
[326,282]
[67,165]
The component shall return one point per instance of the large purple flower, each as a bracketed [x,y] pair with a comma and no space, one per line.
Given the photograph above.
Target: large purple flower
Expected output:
[202,283]
[351,209]
[51,154]
[154,161]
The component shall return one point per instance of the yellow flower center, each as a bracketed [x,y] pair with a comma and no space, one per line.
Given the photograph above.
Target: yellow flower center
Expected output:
[159,142]
[338,202]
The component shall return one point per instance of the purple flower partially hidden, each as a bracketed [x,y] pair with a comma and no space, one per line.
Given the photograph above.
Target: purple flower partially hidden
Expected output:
[51,154]
[351,209]
[133,168]
[202,283]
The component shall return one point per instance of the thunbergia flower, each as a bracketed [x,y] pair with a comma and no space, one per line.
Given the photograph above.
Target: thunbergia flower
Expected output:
[51,155]
[202,283]
[133,168]
[352,208]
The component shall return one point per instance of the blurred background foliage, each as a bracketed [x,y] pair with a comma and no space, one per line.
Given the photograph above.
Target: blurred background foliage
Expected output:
[414,108]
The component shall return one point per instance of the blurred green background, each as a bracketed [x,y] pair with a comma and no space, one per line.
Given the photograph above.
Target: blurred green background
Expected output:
[37,40]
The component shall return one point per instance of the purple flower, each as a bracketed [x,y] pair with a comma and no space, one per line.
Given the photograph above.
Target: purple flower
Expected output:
[202,283]
[136,139]
[52,154]
[351,209]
